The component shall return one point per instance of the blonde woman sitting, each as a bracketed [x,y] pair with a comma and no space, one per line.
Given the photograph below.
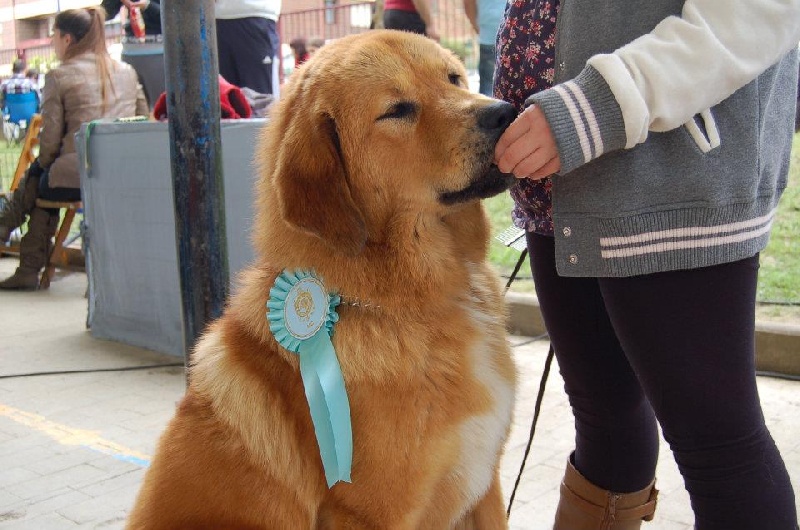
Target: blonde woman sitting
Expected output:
[87,85]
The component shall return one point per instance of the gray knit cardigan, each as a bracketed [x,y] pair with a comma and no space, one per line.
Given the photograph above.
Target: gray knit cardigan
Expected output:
[674,123]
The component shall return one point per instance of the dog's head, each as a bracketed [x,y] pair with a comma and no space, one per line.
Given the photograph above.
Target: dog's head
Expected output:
[375,126]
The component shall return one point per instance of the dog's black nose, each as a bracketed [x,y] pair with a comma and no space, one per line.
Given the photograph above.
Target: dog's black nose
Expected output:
[497,116]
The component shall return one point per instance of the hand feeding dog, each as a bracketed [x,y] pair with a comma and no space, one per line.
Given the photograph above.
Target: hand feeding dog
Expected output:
[371,253]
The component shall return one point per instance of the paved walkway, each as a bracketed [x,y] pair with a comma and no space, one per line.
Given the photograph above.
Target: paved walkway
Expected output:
[74,447]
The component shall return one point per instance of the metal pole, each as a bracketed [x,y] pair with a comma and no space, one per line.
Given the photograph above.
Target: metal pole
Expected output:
[190,61]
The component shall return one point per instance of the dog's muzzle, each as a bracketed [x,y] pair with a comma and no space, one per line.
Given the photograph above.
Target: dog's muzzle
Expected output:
[493,120]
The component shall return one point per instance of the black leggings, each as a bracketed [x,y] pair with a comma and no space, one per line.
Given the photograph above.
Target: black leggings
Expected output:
[677,347]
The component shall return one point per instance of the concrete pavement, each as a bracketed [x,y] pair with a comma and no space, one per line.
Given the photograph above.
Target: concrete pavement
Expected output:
[74,447]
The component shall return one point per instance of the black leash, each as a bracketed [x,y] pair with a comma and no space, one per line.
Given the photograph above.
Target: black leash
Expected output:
[520,261]
[539,397]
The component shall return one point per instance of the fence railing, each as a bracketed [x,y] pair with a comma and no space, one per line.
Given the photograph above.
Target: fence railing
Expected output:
[333,22]
[326,23]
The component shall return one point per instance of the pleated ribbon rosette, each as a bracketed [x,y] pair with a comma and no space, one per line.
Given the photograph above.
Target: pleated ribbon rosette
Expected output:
[302,314]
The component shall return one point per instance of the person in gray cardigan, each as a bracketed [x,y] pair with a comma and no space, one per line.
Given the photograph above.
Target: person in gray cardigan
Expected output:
[652,148]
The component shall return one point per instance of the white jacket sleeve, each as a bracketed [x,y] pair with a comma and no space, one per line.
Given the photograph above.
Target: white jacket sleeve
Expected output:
[689,63]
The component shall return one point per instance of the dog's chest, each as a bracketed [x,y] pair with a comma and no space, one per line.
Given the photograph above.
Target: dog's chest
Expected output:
[483,435]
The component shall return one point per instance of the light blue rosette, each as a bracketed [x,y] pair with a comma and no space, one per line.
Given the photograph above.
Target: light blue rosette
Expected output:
[301,317]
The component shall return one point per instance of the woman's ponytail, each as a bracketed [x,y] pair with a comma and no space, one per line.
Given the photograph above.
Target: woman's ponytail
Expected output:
[87,28]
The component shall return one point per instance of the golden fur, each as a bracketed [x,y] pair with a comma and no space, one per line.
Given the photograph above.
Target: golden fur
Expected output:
[370,167]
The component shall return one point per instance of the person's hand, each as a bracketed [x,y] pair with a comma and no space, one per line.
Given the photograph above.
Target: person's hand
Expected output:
[527,148]
[141,4]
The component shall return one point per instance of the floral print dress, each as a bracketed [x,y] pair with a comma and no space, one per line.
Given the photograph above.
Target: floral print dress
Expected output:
[526,65]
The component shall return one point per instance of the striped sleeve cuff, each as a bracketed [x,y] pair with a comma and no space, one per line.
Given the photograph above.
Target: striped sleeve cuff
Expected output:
[584,117]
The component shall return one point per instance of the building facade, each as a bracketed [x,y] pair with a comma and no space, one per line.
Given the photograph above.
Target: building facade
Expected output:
[26,24]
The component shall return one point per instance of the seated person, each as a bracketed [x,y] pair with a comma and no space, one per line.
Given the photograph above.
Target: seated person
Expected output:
[19,83]
[33,75]
[87,85]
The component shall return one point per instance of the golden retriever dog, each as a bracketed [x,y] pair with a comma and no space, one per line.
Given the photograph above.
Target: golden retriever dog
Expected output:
[371,169]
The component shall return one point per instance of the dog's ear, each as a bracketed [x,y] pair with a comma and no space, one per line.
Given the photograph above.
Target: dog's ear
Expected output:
[312,182]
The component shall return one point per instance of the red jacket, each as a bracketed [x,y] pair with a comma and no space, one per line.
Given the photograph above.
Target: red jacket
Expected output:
[232,101]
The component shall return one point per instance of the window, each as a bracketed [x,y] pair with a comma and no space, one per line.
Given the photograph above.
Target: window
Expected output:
[330,12]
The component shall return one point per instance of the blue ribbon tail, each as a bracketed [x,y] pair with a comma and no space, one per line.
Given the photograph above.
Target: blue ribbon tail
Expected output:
[329,405]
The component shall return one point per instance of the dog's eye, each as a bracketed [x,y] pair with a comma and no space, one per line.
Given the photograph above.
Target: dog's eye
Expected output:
[398,111]
[455,79]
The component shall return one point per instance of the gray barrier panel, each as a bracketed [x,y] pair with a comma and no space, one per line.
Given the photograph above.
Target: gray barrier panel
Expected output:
[132,264]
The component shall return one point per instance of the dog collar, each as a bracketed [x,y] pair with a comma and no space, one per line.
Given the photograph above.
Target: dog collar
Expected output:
[302,314]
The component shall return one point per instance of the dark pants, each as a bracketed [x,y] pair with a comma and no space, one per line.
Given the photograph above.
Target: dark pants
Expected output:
[677,347]
[247,48]
[34,185]
[404,21]
[56,194]
[42,222]
[486,63]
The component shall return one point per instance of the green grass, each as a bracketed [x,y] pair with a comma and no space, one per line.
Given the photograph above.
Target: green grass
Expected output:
[499,211]
[9,156]
[779,276]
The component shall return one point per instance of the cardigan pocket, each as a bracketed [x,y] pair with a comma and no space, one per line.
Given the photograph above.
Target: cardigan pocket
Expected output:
[703,130]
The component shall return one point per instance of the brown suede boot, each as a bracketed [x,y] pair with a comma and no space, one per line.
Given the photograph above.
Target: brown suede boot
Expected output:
[23,279]
[584,506]
[18,206]
[34,250]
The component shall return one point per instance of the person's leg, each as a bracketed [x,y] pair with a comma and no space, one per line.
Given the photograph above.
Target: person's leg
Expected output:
[249,53]
[261,55]
[609,480]
[35,245]
[486,63]
[227,38]
[616,444]
[689,336]
[19,205]
[34,249]
[404,21]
